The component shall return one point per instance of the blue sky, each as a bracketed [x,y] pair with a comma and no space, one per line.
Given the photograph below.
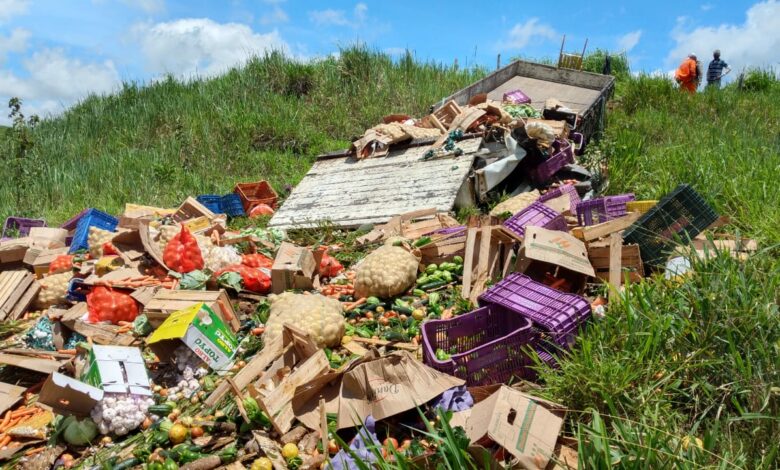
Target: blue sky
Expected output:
[55,52]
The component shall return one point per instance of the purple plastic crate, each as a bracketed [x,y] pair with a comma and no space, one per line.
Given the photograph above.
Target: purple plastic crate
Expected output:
[23,225]
[536,215]
[616,205]
[562,155]
[556,314]
[516,97]
[574,197]
[602,209]
[486,345]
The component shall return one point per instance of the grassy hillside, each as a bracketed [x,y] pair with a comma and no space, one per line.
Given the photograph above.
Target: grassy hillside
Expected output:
[672,361]
[160,143]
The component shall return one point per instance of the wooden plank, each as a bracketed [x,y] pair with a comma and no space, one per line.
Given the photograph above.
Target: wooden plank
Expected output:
[249,372]
[615,259]
[279,401]
[24,302]
[468,262]
[594,232]
[44,366]
[103,334]
[354,348]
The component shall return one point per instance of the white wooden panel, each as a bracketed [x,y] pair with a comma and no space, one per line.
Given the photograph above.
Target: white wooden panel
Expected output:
[348,192]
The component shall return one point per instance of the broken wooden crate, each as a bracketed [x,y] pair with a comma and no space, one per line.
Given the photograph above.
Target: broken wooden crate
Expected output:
[489,251]
[631,261]
[166,301]
[17,291]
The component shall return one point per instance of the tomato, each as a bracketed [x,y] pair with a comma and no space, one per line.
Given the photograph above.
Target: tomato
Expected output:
[61,264]
[182,253]
[330,266]
[255,279]
[107,304]
[257,260]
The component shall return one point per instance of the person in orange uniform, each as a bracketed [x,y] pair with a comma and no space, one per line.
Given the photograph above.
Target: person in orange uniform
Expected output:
[687,74]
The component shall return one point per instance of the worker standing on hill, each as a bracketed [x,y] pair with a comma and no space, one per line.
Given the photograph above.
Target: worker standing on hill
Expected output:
[688,74]
[716,70]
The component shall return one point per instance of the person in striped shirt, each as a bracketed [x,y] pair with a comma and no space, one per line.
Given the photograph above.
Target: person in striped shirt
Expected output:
[716,70]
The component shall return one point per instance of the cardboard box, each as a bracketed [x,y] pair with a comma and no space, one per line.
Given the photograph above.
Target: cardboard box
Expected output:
[68,396]
[556,253]
[526,426]
[166,301]
[10,395]
[117,369]
[13,251]
[40,258]
[294,268]
[202,330]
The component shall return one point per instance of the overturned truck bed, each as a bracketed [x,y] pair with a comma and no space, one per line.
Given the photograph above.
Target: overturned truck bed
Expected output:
[584,92]
[348,192]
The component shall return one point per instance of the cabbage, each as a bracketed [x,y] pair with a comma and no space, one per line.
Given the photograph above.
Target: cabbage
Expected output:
[80,433]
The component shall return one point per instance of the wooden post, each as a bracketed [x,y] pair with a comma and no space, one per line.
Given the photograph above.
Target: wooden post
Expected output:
[615,259]
[498,61]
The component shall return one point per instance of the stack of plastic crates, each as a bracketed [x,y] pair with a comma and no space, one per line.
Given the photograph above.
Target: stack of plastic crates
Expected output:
[562,153]
[491,344]
[678,217]
[536,215]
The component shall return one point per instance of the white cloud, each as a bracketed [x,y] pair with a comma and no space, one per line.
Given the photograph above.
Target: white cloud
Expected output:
[53,81]
[332,17]
[754,43]
[628,41]
[328,17]
[148,6]
[15,42]
[707,6]
[361,12]
[523,34]
[192,46]
[274,16]
[11,8]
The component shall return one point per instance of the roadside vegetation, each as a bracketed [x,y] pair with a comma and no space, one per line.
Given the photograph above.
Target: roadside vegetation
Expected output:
[679,374]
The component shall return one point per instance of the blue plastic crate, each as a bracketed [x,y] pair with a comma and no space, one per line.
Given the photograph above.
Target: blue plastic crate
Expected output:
[92,218]
[212,202]
[77,290]
[232,206]
[229,204]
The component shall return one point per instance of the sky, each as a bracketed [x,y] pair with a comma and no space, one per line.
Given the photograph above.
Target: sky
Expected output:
[55,52]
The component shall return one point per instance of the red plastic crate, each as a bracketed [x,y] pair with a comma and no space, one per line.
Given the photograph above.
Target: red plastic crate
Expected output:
[537,215]
[562,155]
[252,194]
[486,345]
[557,315]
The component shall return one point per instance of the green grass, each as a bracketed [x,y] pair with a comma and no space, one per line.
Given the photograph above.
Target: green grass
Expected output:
[698,358]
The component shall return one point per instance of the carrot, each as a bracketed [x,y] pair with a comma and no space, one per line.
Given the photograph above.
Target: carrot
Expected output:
[124,323]
[5,440]
[24,412]
[6,419]
[34,451]
[67,351]
[225,310]
[355,304]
